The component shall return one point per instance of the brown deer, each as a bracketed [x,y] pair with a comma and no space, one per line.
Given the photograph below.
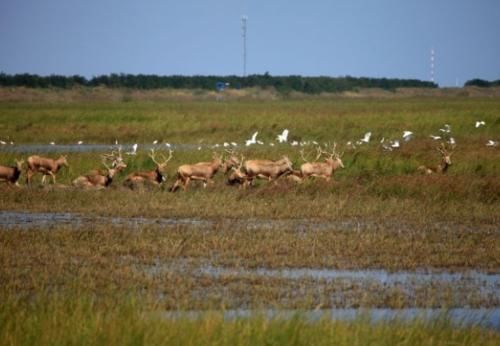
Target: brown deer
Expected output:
[45,166]
[325,169]
[155,177]
[442,167]
[203,171]
[100,180]
[237,176]
[231,162]
[266,169]
[10,174]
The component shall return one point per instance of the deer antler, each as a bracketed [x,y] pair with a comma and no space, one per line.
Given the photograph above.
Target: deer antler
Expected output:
[442,149]
[162,157]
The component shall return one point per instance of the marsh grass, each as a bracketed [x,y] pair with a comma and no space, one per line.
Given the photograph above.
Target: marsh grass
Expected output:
[81,320]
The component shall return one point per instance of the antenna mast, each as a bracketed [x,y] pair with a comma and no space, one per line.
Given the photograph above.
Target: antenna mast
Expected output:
[432,65]
[244,35]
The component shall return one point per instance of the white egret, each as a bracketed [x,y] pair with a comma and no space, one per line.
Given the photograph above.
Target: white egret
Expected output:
[2,142]
[407,135]
[452,141]
[395,144]
[491,143]
[446,129]
[252,140]
[366,138]
[435,137]
[134,150]
[283,137]
[480,123]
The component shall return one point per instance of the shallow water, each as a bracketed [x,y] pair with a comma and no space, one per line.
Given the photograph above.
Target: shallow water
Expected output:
[381,276]
[461,317]
[33,220]
[89,148]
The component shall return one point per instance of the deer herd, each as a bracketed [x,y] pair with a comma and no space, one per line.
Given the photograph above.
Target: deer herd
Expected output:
[238,171]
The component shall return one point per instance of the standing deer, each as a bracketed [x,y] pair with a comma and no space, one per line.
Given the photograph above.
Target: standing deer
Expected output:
[203,171]
[156,176]
[442,167]
[325,169]
[10,174]
[100,180]
[266,169]
[45,166]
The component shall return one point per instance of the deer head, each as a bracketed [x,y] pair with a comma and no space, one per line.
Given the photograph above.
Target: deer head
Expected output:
[161,165]
[333,155]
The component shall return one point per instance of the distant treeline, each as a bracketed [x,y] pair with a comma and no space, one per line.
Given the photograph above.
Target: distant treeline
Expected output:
[310,85]
[482,83]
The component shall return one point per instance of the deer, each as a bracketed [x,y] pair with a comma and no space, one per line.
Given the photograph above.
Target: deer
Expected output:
[204,171]
[231,162]
[442,167]
[44,165]
[266,169]
[155,177]
[10,174]
[100,180]
[237,176]
[324,169]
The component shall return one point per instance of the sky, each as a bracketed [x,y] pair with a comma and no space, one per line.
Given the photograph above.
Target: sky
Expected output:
[360,38]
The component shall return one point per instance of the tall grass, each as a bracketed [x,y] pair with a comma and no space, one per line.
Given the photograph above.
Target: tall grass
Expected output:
[81,321]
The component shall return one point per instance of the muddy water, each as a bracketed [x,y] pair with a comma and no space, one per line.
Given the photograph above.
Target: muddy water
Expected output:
[33,220]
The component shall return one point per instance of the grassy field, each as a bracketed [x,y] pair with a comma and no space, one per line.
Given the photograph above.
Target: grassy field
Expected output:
[401,220]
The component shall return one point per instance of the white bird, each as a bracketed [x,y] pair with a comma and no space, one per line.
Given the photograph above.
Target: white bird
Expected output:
[134,150]
[11,142]
[155,141]
[395,144]
[314,142]
[407,135]
[252,140]
[480,123]
[226,144]
[382,140]
[216,146]
[2,142]
[283,137]
[366,138]
[116,141]
[234,144]
[491,143]
[294,143]
[168,145]
[446,129]
[260,142]
[452,141]
[79,142]
[199,148]
[52,143]
[271,144]
[435,137]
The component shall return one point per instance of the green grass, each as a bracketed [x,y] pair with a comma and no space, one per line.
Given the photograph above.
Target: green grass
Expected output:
[83,321]
[451,222]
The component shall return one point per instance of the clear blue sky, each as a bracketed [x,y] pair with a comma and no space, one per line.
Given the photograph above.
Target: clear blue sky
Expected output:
[372,38]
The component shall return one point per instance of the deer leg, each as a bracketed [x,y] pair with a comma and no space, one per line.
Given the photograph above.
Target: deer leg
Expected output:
[186,183]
